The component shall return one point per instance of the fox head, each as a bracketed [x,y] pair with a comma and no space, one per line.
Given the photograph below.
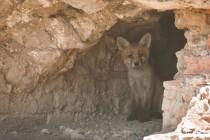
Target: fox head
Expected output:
[135,55]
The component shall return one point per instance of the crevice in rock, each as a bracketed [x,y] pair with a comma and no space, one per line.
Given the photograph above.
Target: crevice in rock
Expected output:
[166,41]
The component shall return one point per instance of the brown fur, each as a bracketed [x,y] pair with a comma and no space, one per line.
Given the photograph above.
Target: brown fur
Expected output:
[146,88]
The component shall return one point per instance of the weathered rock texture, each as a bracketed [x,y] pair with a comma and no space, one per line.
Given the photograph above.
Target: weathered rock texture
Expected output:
[195,125]
[40,41]
[59,57]
[192,63]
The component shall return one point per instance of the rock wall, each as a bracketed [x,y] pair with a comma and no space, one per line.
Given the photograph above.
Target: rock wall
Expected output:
[97,84]
[193,70]
[53,62]
[192,66]
[57,57]
[195,125]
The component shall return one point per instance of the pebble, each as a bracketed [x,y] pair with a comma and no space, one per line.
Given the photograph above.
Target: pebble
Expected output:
[62,128]
[97,138]
[74,134]
[77,136]
[68,131]
[116,135]
[14,132]
[45,131]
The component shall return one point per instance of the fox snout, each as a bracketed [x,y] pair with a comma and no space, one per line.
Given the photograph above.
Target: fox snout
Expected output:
[135,55]
[136,64]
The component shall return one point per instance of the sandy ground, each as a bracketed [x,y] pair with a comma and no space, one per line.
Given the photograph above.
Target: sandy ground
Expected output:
[95,129]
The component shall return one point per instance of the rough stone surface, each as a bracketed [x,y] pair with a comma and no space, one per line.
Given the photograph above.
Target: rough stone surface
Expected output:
[89,6]
[195,125]
[47,65]
[173,4]
[175,105]
[93,129]
[59,58]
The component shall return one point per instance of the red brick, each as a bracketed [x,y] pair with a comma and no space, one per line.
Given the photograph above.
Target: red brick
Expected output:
[174,84]
[197,65]
[189,19]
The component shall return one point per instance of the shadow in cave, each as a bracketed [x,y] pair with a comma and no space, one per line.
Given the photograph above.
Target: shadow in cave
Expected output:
[166,41]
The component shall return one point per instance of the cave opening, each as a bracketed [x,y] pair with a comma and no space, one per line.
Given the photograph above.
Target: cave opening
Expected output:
[166,41]
[101,73]
[98,83]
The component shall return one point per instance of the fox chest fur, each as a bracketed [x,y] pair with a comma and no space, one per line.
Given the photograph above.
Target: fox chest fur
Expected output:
[144,84]
[140,82]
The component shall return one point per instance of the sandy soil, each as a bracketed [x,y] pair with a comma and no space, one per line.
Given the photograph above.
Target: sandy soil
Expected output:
[95,129]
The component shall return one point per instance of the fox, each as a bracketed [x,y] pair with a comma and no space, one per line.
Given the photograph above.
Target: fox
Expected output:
[146,87]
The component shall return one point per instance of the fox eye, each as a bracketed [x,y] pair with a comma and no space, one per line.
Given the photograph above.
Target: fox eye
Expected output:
[129,56]
[143,59]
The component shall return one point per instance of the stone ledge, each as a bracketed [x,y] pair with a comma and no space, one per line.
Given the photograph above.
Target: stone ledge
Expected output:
[178,136]
[173,4]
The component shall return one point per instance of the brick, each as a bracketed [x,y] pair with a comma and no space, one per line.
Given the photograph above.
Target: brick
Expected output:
[192,19]
[174,84]
[195,81]
[197,65]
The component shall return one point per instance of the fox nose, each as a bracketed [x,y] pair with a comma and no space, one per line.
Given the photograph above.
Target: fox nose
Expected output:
[136,63]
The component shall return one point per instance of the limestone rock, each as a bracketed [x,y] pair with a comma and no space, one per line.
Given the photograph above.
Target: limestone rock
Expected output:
[89,6]
[63,34]
[173,4]
[195,122]
[45,131]
[74,134]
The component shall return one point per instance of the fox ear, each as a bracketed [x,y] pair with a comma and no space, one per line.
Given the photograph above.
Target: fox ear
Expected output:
[146,40]
[122,43]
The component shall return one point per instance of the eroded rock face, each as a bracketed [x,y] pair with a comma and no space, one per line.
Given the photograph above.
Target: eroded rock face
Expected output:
[192,61]
[40,41]
[88,6]
[56,56]
[173,4]
[196,122]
